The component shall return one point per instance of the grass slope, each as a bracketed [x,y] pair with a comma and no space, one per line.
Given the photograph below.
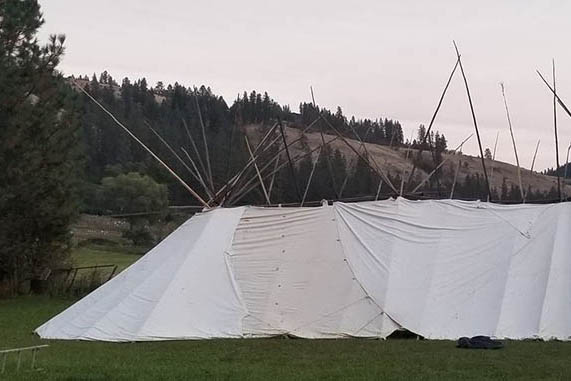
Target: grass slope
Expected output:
[268,359]
[102,255]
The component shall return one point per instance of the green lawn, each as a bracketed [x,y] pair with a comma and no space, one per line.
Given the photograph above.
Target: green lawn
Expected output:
[104,255]
[269,359]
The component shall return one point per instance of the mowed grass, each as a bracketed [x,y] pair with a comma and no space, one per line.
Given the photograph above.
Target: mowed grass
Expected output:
[267,359]
[257,359]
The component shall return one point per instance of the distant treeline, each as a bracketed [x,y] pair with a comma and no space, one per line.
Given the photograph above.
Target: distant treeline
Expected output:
[109,151]
[173,112]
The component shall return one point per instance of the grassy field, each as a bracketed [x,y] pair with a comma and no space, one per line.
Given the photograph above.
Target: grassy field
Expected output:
[268,359]
[260,359]
[102,255]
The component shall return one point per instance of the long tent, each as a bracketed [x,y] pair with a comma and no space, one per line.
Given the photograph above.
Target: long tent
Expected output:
[441,269]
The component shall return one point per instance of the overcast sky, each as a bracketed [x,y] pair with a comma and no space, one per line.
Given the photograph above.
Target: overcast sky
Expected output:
[372,58]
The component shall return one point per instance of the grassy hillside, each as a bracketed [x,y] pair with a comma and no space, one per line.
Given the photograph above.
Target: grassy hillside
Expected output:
[397,161]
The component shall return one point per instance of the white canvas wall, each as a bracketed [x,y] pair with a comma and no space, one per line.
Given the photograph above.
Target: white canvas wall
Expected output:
[442,269]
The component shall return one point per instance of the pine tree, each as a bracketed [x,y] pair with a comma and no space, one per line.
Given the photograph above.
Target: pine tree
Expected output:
[488,154]
[37,147]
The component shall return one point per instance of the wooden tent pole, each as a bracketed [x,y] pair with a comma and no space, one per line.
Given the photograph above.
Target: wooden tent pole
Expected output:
[440,165]
[173,173]
[559,100]
[245,189]
[494,158]
[567,161]
[566,166]
[432,119]
[310,177]
[535,155]
[563,106]
[207,154]
[194,147]
[377,169]
[200,179]
[257,170]
[171,149]
[232,190]
[475,122]
[291,168]
[344,183]
[327,156]
[455,178]
[273,176]
[555,130]
[229,159]
[513,142]
[379,189]
[234,179]
[195,175]
[532,164]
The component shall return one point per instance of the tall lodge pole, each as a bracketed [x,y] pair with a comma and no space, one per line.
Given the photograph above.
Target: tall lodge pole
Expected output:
[513,142]
[291,168]
[475,122]
[173,173]
[555,128]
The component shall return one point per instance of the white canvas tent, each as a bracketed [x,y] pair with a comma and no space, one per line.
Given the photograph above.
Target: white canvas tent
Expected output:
[441,269]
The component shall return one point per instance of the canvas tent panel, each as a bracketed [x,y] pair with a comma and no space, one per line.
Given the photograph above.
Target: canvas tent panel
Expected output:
[180,289]
[556,310]
[442,269]
[526,282]
[294,279]
[453,267]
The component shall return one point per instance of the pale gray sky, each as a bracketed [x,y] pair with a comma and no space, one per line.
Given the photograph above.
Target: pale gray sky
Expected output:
[372,58]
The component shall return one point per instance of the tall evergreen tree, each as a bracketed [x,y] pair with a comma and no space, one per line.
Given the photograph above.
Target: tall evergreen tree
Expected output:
[37,145]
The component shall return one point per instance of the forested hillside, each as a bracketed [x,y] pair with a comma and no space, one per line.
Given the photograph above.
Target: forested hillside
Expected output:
[175,113]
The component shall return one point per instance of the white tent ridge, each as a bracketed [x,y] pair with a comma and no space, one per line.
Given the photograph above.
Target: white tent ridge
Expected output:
[440,268]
